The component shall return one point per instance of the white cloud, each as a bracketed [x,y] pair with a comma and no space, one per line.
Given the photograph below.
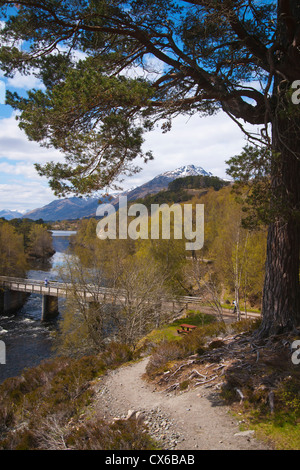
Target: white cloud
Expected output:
[23,188]
[14,144]
[25,82]
[206,142]
[25,196]
[23,169]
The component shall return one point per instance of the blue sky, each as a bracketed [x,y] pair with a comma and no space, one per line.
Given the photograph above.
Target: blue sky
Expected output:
[206,142]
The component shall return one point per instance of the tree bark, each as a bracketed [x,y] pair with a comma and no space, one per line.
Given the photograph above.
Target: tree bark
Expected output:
[281,296]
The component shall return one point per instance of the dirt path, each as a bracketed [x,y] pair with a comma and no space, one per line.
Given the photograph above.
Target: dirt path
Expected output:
[187,421]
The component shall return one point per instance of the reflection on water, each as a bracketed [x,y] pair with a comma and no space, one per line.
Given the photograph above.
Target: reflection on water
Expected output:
[28,341]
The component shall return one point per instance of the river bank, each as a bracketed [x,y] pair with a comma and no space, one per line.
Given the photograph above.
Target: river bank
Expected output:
[29,341]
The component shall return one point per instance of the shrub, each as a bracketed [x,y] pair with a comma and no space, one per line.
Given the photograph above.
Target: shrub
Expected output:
[55,391]
[116,354]
[166,351]
[99,435]
[192,343]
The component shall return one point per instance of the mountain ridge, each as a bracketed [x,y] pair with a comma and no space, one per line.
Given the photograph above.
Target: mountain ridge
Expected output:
[10,214]
[76,208]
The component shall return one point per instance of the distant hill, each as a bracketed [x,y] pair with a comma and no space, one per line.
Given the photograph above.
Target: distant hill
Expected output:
[77,208]
[9,215]
[65,209]
[162,181]
[183,189]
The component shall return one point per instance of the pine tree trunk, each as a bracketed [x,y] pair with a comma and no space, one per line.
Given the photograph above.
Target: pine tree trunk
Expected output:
[281,297]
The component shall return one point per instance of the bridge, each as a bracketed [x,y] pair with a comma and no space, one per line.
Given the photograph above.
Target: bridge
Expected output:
[13,292]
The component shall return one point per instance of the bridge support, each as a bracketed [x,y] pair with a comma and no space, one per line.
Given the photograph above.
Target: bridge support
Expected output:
[49,307]
[11,301]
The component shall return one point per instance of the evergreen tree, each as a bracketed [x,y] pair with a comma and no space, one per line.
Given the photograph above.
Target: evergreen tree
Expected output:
[238,56]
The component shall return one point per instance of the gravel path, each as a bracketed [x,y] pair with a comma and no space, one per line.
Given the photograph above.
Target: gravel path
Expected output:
[190,420]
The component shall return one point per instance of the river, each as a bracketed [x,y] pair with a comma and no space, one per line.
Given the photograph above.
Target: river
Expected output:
[28,341]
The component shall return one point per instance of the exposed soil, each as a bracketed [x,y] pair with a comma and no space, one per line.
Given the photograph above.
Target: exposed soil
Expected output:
[194,419]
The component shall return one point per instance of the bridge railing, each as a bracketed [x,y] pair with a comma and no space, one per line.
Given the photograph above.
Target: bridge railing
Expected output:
[60,289]
[31,285]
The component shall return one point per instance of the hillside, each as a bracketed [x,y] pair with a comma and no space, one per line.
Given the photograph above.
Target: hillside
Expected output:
[77,208]
[9,215]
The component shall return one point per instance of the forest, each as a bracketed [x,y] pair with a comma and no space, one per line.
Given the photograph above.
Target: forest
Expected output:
[95,339]
[113,71]
[230,267]
[22,240]
[191,58]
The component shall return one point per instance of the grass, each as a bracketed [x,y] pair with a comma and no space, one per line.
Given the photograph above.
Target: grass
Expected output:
[284,437]
[230,307]
[272,371]
[42,408]
[168,332]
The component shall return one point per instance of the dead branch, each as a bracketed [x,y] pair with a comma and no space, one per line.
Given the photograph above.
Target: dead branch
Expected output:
[196,373]
[271,401]
[206,381]
[240,394]
[172,387]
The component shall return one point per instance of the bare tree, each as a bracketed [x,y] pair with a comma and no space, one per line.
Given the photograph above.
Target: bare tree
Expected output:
[207,285]
[125,311]
[142,287]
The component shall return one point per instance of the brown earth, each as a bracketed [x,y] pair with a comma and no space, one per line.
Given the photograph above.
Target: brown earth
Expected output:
[194,419]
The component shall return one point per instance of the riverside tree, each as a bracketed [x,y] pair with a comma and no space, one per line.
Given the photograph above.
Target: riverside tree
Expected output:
[12,255]
[40,242]
[130,311]
[193,57]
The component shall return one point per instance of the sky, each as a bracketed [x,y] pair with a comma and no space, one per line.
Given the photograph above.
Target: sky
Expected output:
[206,142]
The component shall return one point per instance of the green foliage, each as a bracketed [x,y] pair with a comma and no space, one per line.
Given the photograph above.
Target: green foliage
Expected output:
[12,255]
[177,190]
[252,170]
[94,111]
[36,407]
[197,182]
[40,242]
[193,343]
[24,227]
[165,197]
[238,253]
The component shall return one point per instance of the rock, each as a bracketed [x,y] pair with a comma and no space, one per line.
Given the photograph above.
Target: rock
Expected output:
[245,434]
[130,414]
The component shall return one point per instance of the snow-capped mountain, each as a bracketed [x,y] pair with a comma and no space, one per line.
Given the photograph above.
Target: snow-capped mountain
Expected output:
[76,208]
[187,170]
[10,214]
